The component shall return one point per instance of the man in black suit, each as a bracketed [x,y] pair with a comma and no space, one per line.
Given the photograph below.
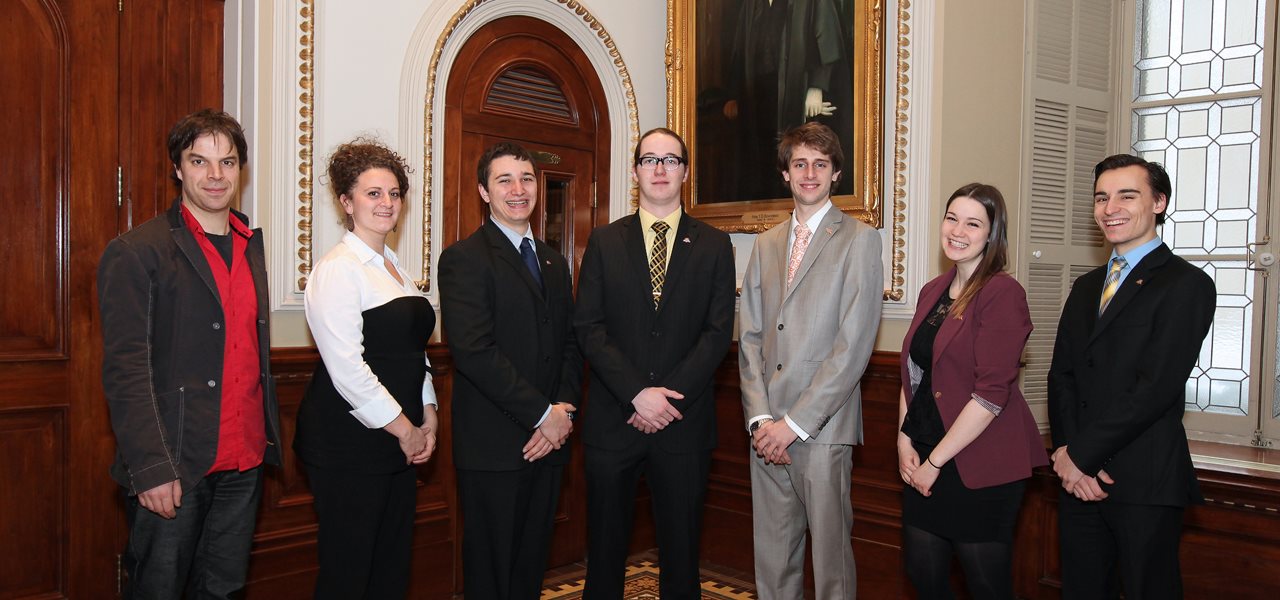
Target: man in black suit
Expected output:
[1129,336]
[654,319]
[507,310]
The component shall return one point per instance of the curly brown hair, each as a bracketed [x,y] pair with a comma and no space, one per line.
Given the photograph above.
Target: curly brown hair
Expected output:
[353,158]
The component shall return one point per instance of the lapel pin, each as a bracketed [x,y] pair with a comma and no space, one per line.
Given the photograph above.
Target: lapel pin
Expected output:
[547,262]
[686,240]
[830,231]
[1139,282]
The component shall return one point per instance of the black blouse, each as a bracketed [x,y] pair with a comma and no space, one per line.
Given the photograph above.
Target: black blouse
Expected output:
[923,423]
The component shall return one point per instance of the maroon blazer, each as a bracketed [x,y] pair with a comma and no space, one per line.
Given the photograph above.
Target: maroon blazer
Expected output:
[978,354]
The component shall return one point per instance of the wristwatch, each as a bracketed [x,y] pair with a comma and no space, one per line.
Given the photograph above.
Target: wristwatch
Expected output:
[751,430]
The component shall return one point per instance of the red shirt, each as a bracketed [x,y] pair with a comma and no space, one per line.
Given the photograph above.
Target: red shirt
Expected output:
[242,434]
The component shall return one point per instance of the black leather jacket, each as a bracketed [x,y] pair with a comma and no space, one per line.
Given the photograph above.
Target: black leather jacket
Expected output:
[162,336]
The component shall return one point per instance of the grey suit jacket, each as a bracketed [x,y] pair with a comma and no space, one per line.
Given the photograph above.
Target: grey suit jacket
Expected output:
[802,350]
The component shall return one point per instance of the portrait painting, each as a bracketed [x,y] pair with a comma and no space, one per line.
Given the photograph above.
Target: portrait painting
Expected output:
[740,72]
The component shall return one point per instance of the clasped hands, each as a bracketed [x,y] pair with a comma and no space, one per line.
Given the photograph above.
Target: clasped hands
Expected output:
[771,440]
[417,443]
[1075,481]
[914,473]
[654,410]
[552,434]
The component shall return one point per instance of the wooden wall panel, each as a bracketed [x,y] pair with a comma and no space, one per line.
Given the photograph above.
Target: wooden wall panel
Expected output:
[33,92]
[33,510]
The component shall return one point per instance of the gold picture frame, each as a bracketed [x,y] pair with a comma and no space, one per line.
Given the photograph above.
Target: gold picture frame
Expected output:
[733,179]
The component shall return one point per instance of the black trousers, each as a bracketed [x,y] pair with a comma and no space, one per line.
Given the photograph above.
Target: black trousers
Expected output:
[203,552]
[678,486]
[507,520]
[366,532]
[1107,546]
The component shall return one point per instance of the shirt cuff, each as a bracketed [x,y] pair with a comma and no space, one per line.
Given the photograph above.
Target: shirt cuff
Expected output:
[991,407]
[752,420]
[429,392]
[377,414]
[545,414]
[804,437]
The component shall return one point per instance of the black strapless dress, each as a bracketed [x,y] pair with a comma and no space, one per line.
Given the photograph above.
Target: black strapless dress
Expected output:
[395,341]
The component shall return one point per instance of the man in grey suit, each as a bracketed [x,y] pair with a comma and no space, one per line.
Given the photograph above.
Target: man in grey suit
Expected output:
[809,313]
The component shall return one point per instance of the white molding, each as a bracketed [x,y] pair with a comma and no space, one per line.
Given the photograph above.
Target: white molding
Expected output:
[921,161]
[284,155]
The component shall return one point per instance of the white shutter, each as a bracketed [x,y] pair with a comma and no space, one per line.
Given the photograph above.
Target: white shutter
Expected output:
[1067,123]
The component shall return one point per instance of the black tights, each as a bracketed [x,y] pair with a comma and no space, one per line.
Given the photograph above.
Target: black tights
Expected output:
[986,565]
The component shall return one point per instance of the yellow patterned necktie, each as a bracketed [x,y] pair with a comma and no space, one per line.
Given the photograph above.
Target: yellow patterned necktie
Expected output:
[658,261]
[1112,283]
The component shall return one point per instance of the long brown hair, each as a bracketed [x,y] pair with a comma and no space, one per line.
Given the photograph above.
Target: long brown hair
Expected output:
[996,255]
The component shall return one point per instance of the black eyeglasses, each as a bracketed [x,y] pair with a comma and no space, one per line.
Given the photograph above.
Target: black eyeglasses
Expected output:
[651,162]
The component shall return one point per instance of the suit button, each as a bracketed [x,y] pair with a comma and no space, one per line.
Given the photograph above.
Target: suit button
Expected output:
[937,394]
[546,359]
[779,326]
[653,333]
[779,366]
[545,320]
[217,326]
[652,376]
[213,383]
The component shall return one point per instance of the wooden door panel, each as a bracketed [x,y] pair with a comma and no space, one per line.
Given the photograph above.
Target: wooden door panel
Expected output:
[33,444]
[33,90]
[171,54]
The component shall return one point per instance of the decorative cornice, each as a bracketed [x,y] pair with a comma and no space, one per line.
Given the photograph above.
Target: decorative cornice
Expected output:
[306,129]
[606,41]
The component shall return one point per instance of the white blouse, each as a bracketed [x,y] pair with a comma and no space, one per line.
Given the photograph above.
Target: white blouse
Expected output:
[349,280]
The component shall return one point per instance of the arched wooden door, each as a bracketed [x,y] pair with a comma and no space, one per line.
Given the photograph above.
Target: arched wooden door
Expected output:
[522,79]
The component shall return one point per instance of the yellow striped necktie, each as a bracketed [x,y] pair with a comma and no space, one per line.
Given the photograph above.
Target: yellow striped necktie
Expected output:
[1112,283]
[658,261]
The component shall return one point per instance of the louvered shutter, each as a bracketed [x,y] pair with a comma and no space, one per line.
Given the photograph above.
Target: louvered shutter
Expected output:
[1068,121]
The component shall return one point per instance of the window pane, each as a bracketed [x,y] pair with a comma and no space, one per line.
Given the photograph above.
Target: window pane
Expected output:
[1211,150]
[1190,48]
[1219,383]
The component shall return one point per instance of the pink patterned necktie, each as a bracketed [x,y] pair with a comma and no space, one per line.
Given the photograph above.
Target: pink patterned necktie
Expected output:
[797,251]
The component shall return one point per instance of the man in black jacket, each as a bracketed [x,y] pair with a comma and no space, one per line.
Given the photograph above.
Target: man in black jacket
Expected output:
[507,309]
[186,371]
[1129,335]
[654,319]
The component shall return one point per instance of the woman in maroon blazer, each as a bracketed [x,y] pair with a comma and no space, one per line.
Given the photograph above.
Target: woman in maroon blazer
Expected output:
[967,441]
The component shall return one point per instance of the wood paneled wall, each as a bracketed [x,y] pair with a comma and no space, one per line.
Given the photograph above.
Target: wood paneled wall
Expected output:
[1229,547]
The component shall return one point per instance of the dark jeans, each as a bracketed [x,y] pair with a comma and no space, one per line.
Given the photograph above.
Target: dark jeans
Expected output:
[203,552]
